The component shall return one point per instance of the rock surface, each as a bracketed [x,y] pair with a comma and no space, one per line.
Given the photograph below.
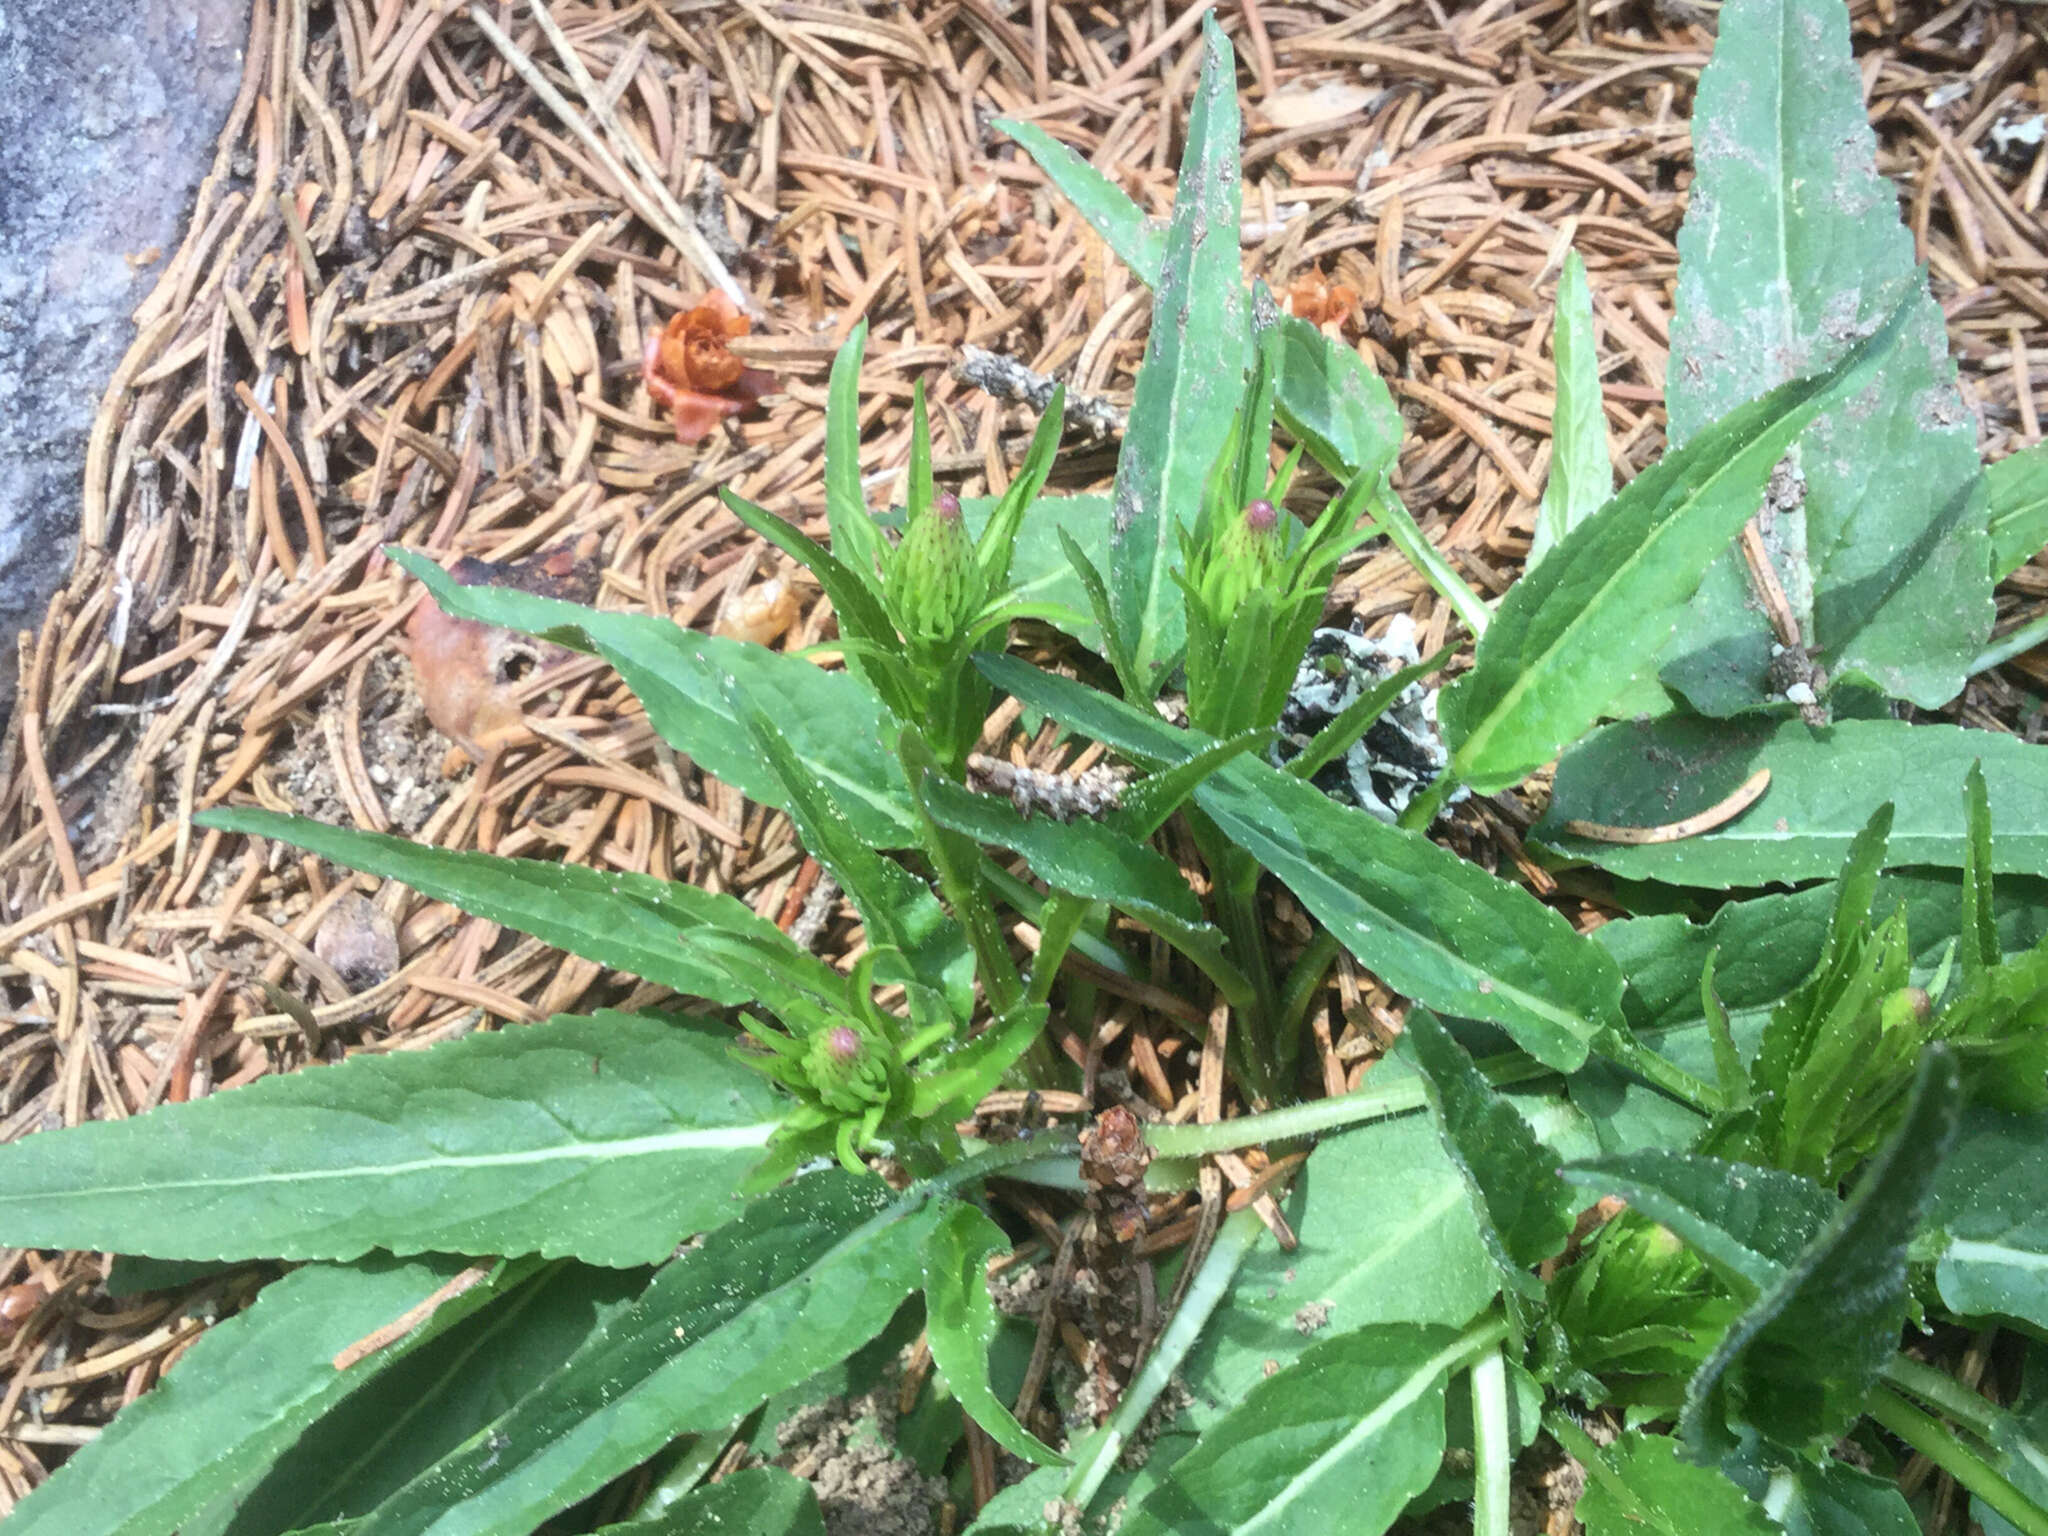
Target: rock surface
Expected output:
[109,112]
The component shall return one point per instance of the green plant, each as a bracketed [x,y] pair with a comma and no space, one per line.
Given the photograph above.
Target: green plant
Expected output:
[1825,1107]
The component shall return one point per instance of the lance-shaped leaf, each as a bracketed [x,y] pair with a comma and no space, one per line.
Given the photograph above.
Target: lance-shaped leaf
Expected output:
[611,1138]
[1524,1210]
[430,1399]
[961,1322]
[701,943]
[1139,243]
[1581,473]
[807,1274]
[239,1398]
[1333,404]
[1338,1441]
[1430,924]
[1585,625]
[2018,493]
[834,721]
[1189,383]
[856,541]
[1825,786]
[1799,1364]
[1328,398]
[1792,248]
[1387,1234]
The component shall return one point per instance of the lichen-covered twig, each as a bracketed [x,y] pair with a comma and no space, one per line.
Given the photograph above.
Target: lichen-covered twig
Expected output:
[1093,794]
[1007,379]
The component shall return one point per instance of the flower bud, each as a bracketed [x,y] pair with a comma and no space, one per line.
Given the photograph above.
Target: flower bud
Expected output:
[930,584]
[1908,1005]
[849,1071]
[1244,559]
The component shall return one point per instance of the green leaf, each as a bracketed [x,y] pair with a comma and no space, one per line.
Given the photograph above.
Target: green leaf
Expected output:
[854,599]
[1334,404]
[1825,785]
[425,1404]
[965,1072]
[701,943]
[1339,1441]
[898,909]
[803,1277]
[1431,925]
[760,1501]
[1988,1217]
[1747,1222]
[1525,1211]
[239,1398]
[1042,583]
[1791,248]
[1800,1363]
[961,1322]
[1584,625]
[1387,1235]
[838,727]
[1088,859]
[855,539]
[611,1138]
[1190,381]
[2018,492]
[1581,474]
[1979,939]
[1138,242]
[1638,1486]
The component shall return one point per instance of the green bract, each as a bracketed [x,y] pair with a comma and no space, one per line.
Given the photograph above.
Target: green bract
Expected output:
[1819,1104]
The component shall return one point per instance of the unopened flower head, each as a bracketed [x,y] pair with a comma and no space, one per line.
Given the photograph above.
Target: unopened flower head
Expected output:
[931,581]
[848,1069]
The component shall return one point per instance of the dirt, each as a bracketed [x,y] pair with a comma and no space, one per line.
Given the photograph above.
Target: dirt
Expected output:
[846,1448]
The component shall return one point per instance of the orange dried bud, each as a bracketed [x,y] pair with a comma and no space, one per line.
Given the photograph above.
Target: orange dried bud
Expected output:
[689,368]
[1315,299]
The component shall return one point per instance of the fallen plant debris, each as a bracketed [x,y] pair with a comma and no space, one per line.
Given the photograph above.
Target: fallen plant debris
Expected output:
[690,371]
[469,415]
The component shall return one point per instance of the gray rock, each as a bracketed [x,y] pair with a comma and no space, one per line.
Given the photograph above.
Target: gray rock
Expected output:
[109,112]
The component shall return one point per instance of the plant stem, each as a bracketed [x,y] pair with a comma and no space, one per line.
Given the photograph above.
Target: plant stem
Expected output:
[1940,1390]
[1494,1456]
[2014,642]
[1234,1240]
[1938,1443]
[1422,809]
[1401,1095]
[1306,979]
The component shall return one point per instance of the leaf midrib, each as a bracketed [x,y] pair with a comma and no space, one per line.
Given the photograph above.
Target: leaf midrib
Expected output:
[711,1138]
[1390,1407]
